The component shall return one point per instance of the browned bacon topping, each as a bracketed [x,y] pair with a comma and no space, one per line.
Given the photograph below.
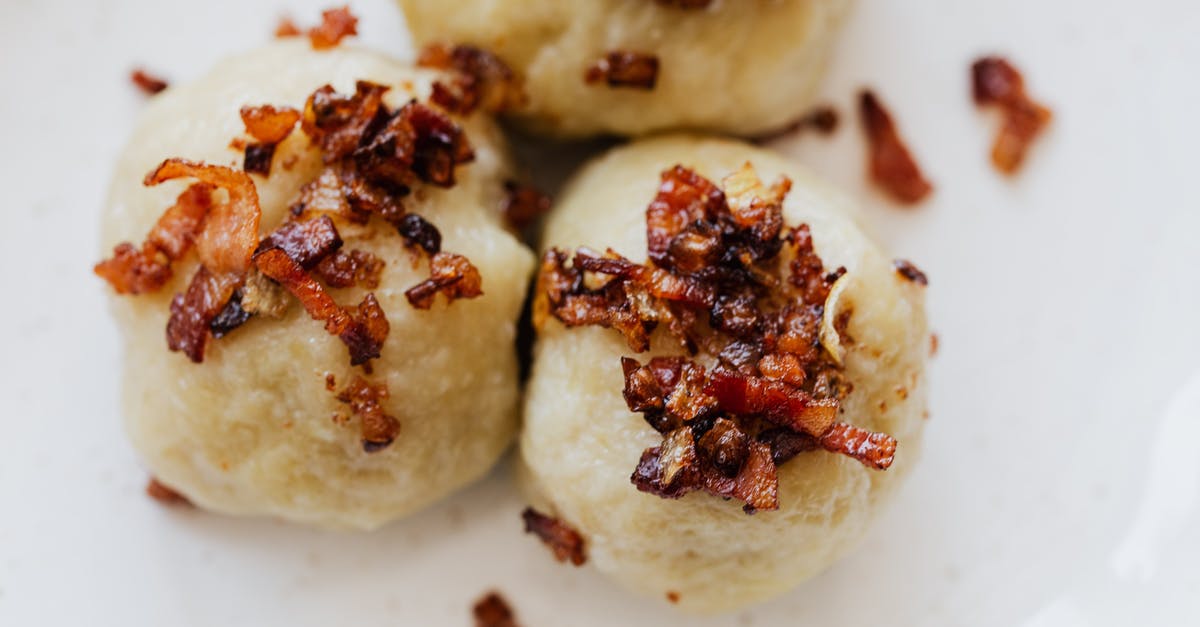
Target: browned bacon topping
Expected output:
[719,281]
[147,82]
[138,271]
[346,269]
[823,120]
[994,81]
[481,80]
[565,542]
[269,124]
[493,611]
[523,204]
[891,166]
[621,68]
[163,494]
[450,274]
[910,272]
[365,399]
[286,28]
[336,24]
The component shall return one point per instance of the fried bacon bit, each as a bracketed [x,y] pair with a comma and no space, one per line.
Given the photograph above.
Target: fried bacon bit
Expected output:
[286,28]
[892,167]
[994,81]
[165,495]
[450,274]
[269,124]
[823,119]
[566,543]
[336,24]
[933,344]
[147,82]
[138,271]
[718,280]
[481,80]
[910,272]
[620,68]
[379,430]
[523,204]
[493,611]
[307,242]
[346,269]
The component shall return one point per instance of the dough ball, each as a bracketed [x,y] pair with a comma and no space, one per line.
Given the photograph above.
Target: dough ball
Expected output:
[737,66]
[580,443]
[251,430]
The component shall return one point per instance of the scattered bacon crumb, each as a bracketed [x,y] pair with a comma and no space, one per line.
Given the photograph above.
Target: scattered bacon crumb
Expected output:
[910,272]
[933,344]
[481,80]
[165,495]
[892,167]
[336,24]
[379,430]
[286,28]
[147,82]
[269,124]
[994,81]
[493,611]
[673,596]
[620,68]
[523,204]
[258,159]
[873,449]
[565,542]
[346,269]
[330,381]
[450,274]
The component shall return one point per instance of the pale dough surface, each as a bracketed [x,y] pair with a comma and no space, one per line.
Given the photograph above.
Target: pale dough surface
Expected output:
[580,443]
[250,430]
[739,66]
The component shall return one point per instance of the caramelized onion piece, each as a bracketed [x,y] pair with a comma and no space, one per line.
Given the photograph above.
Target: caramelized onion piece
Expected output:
[450,274]
[365,399]
[493,611]
[891,166]
[622,68]
[994,81]
[565,542]
[138,271]
[193,312]
[336,24]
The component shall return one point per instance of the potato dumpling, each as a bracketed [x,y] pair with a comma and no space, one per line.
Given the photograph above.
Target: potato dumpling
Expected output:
[257,428]
[631,67]
[581,441]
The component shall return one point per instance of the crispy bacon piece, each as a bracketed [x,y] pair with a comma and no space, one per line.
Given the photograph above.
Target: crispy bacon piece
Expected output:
[269,124]
[994,81]
[481,79]
[622,68]
[450,274]
[286,28]
[336,24]
[258,159]
[365,399]
[163,494]
[418,231]
[193,312]
[147,82]
[138,271]
[565,542]
[684,197]
[777,401]
[363,331]
[337,122]
[523,204]
[823,119]
[346,269]
[910,272]
[493,611]
[756,483]
[307,242]
[891,167]
[876,450]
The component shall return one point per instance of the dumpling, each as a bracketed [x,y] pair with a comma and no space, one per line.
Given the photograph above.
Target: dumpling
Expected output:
[716,425]
[631,67]
[341,330]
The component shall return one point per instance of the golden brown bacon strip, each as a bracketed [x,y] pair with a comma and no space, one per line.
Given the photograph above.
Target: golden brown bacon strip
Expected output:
[684,197]
[138,271]
[776,401]
[622,68]
[872,449]
[147,82]
[193,312]
[891,166]
[449,274]
[493,611]
[362,331]
[379,429]
[336,24]
[307,242]
[481,80]
[994,81]
[565,542]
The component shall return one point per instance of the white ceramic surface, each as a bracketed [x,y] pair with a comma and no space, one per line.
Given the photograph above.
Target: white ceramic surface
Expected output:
[1060,482]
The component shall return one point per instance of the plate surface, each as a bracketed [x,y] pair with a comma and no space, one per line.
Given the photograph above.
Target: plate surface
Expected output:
[1060,481]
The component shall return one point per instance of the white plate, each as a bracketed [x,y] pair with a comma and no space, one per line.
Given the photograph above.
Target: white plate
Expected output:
[1060,481]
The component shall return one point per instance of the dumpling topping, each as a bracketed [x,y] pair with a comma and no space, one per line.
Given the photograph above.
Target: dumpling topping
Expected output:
[493,611]
[480,80]
[565,542]
[746,295]
[622,68]
[378,428]
[995,82]
[147,82]
[523,204]
[890,164]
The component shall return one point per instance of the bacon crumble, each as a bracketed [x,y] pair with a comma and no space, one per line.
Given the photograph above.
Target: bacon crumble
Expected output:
[164,494]
[523,204]
[995,82]
[286,28]
[147,82]
[565,542]
[622,68]
[481,80]
[910,272]
[719,281]
[336,24]
[891,165]
[493,611]
[365,399]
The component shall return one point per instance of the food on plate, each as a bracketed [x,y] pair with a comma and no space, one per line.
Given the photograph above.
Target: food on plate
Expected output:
[493,611]
[632,67]
[317,288]
[889,163]
[728,381]
[147,82]
[995,82]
